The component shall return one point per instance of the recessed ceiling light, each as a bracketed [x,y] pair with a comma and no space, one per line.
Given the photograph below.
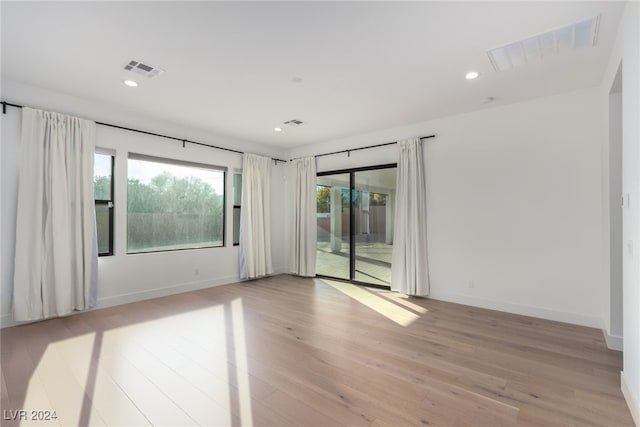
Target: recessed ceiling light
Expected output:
[296,80]
[130,83]
[472,75]
[277,129]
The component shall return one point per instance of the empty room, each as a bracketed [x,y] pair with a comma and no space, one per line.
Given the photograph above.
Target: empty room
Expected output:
[307,213]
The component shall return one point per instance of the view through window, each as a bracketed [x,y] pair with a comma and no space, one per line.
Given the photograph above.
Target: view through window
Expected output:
[173,205]
[237,205]
[103,195]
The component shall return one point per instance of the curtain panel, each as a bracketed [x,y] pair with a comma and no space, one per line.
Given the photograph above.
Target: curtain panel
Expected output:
[56,244]
[304,235]
[409,268]
[255,217]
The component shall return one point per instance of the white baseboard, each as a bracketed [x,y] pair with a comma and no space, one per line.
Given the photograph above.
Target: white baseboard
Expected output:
[614,342]
[632,401]
[525,310]
[574,318]
[281,270]
[6,320]
[162,292]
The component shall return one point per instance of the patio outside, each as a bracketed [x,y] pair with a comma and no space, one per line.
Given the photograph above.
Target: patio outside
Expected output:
[373,262]
[371,203]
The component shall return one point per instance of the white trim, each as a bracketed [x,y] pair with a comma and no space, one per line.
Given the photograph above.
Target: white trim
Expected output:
[105,151]
[525,310]
[161,292]
[632,402]
[280,270]
[175,162]
[7,320]
[614,342]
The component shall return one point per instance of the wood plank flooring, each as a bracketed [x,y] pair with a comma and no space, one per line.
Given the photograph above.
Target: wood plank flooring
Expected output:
[286,351]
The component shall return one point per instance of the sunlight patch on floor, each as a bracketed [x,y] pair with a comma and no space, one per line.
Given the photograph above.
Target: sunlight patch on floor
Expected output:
[242,367]
[35,397]
[399,299]
[388,309]
[63,384]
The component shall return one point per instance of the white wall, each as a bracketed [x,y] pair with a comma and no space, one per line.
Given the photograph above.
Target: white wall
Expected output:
[627,52]
[124,278]
[514,204]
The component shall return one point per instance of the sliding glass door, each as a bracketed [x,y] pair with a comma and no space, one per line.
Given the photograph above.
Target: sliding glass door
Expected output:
[334,242]
[355,224]
[373,213]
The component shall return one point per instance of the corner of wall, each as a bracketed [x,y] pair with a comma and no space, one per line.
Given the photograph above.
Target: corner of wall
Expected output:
[6,321]
[632,401]
[614,342]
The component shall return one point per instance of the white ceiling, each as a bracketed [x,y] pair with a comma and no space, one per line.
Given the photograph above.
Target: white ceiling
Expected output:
[229,65]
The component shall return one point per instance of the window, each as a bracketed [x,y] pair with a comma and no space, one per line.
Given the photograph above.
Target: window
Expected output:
[173,205]
[237,203]
[103,195]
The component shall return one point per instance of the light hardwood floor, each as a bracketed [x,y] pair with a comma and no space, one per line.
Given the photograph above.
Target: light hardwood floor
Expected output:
[285,351]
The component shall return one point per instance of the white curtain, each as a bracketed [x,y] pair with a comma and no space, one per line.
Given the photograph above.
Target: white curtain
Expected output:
[255,218]
[409,269]
[303,242]
[56,245]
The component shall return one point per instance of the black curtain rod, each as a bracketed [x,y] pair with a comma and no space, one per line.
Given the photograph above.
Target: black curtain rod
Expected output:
[362,148]
[184,141]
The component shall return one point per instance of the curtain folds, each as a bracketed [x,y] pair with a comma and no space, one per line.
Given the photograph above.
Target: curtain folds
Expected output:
[255,218]
[303,241]
[56,244]
[409,268]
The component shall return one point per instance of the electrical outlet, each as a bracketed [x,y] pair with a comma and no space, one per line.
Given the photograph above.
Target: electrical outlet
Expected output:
[196,271]
[472,284]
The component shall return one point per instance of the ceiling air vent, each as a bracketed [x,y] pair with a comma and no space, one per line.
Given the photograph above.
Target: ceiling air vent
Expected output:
[143,69]
[294,123]
[581,35]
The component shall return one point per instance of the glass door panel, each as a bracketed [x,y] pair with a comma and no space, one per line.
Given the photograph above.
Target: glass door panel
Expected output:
[373,207]
[333,247]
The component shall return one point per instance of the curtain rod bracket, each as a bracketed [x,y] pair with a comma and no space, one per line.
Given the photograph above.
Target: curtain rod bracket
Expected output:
[184,142]
[4,107]
[348,153]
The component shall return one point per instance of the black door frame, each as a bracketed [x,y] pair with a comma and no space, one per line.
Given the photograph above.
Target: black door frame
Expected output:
[352,236]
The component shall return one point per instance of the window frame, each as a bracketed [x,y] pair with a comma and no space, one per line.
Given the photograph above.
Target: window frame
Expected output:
[108,203]
[239,207]
[187,163]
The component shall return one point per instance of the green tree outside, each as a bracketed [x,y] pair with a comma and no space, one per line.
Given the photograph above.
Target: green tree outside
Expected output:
[173,213]
[323,197]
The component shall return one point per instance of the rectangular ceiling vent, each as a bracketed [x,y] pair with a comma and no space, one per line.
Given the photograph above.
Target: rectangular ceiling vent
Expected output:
[583,34]
[294,123]
[143,69]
